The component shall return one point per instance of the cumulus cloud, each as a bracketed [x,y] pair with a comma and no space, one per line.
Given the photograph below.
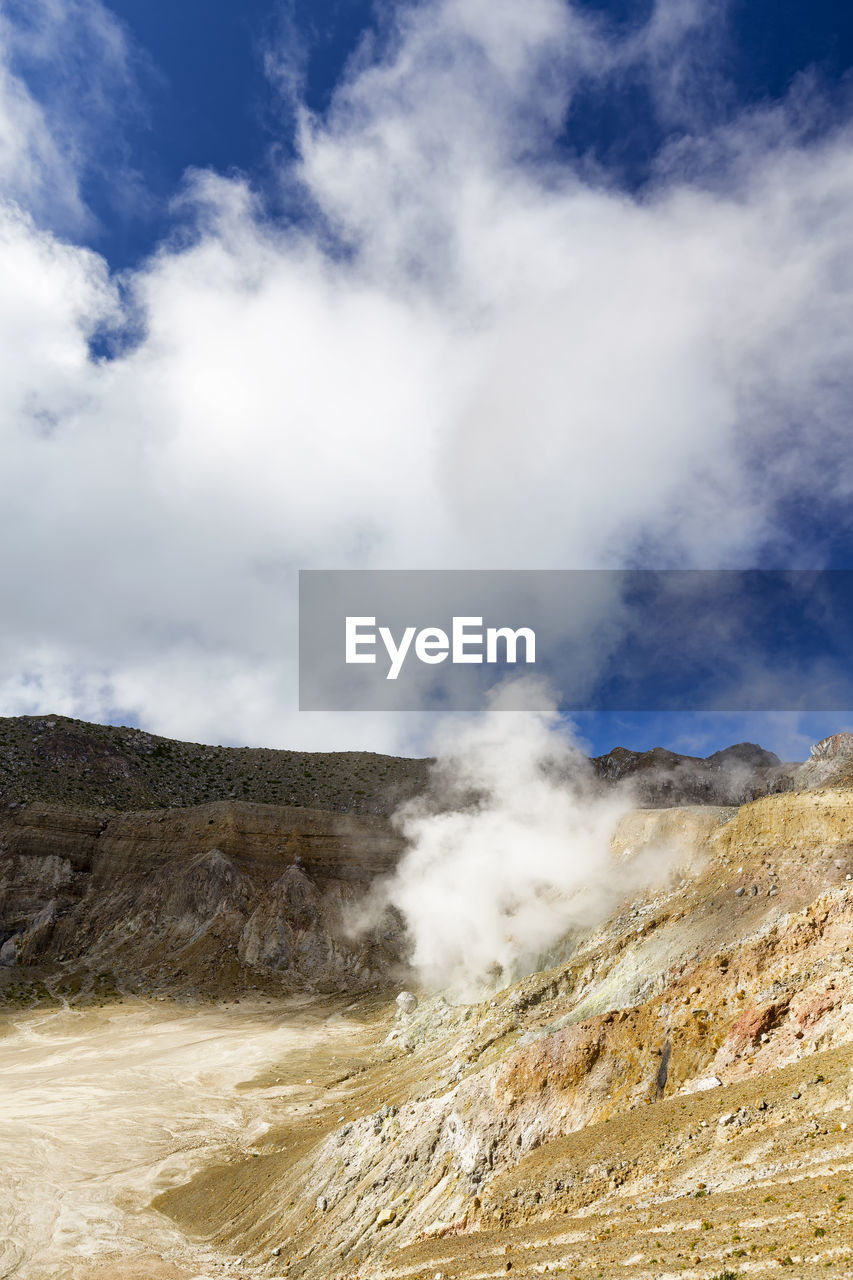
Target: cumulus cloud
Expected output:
[473,353]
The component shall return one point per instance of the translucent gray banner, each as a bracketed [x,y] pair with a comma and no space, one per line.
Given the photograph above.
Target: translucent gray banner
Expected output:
[601,640]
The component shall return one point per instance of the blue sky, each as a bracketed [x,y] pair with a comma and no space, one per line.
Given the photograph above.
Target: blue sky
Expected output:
[204,100]
[344,285]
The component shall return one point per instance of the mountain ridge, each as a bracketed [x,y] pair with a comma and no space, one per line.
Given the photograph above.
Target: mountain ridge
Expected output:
[57,759]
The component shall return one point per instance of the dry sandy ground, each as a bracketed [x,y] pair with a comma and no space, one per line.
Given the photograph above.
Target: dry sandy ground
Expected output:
[101,1109]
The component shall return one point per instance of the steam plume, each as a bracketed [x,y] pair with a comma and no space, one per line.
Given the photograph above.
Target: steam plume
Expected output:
[509,849]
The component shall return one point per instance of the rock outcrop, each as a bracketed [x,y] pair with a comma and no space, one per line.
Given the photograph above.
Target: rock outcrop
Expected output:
[662,778]
[202,899]
[830,762]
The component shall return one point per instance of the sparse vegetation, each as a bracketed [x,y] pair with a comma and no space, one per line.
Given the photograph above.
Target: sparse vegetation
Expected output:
[60,760]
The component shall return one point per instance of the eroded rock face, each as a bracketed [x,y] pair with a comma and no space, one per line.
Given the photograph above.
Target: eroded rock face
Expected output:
[193,898]
[830,761]
[292,929]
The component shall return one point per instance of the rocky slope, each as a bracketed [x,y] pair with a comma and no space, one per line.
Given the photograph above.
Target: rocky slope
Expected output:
[674,1099]
[201,900]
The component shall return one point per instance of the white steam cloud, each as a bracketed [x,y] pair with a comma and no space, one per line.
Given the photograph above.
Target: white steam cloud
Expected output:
[508,852]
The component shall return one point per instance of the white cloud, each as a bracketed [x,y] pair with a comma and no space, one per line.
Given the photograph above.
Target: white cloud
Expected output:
[511,365]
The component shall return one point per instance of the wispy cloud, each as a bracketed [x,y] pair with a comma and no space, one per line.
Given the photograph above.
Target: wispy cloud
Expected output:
[68,86]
